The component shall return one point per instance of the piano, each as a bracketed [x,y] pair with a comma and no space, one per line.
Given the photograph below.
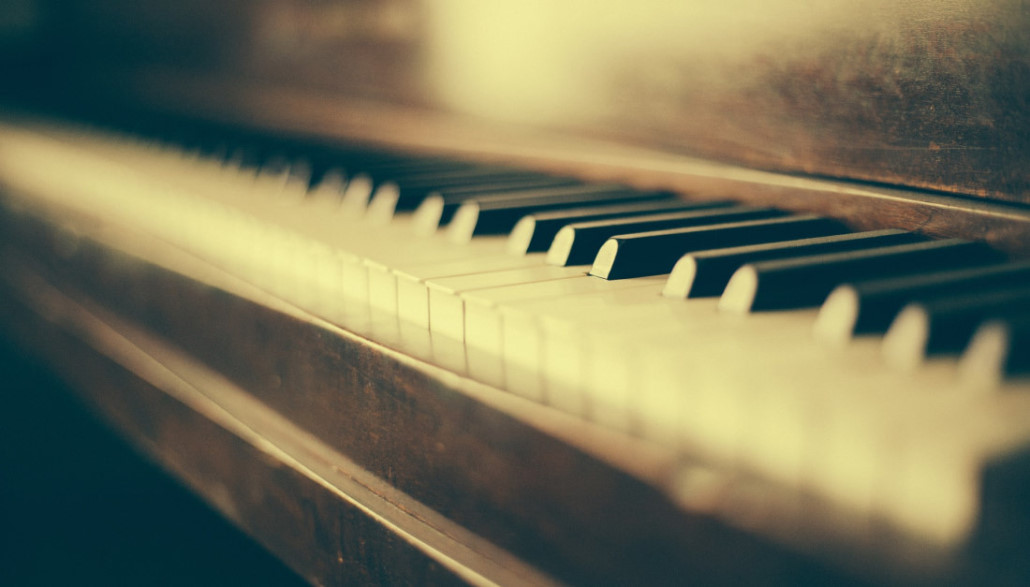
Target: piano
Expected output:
[522,293]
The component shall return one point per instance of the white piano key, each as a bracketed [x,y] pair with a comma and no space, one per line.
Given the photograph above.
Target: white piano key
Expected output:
[547,368]
[357,194]
[720,422]
[447,304]
[329,191]
[520,356]
[413,279]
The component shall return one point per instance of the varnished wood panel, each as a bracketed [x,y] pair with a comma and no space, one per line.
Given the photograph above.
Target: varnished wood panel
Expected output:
[917,93]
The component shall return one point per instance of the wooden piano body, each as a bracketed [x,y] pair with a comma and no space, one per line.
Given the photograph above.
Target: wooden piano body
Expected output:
[359,448]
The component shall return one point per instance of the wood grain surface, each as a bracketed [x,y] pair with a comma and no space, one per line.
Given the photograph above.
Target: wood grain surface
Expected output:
[917,93]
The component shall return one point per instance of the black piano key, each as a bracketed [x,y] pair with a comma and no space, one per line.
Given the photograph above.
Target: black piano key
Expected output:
[945,325]
[260,153]
[534,233]
[706,273]
[214,150]
[395,168]
[267,151]
[358,191]
[803,282]
[404,195]
[439,206]
[332,159]
[870,306]
[245,158]
[308,163]
[297,170]
[384,180]
[319,171]
[999,349]
[654,253]
[578,243]
[429,181]
[498,216]
[329,187]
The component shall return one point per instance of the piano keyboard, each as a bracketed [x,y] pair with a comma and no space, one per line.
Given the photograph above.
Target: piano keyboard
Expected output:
[695,324]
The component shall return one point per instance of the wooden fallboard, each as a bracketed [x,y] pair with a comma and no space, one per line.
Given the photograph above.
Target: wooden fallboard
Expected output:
[920,93]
